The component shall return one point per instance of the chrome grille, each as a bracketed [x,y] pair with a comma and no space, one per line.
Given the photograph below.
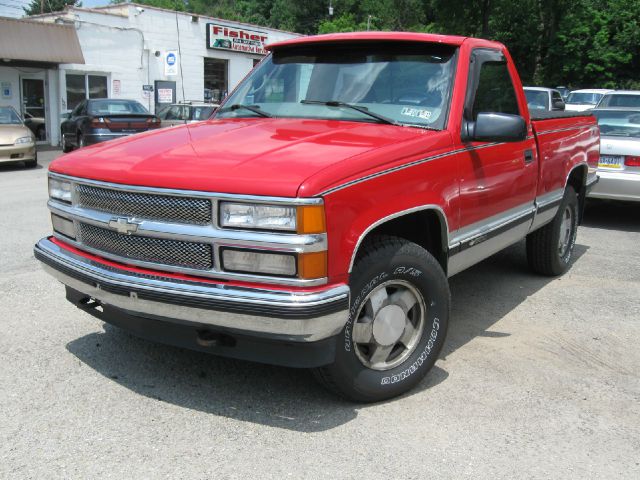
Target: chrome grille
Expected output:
[144,205]
[155,250]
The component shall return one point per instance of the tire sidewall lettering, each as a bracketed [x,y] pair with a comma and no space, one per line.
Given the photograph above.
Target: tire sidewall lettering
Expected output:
[424,355]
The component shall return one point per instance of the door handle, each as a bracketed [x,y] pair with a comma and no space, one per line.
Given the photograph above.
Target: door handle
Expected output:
[528,157]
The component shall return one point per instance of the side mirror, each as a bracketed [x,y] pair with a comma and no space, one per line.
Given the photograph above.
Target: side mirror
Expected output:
[65,116]
[496,127]
[558,105]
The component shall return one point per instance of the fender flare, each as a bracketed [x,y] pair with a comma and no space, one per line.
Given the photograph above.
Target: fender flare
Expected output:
[444,232]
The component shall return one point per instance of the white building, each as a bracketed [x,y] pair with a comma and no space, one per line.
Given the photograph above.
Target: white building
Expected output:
[142,53]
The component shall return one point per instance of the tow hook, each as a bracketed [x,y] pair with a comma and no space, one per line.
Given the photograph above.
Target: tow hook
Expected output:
[207,338]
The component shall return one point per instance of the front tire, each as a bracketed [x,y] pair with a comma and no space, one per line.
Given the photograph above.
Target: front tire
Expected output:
[397,325]
[32,163]
[550,248]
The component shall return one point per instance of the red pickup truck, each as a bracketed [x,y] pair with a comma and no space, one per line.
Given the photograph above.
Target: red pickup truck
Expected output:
[313,222]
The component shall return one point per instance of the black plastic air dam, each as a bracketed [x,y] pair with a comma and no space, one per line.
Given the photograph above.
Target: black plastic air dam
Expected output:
[216,341]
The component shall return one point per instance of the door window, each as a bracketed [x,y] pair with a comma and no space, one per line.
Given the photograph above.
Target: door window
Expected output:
[33,106]
[76,91]
[82,87]
[495,92]
[97,86]
[77,111]
[215,79]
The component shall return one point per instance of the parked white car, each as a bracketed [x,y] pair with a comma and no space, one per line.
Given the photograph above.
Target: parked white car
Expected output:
[620,98]
[581,100]
[619,165]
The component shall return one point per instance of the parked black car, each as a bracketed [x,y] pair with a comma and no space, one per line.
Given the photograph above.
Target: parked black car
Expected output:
[99,120]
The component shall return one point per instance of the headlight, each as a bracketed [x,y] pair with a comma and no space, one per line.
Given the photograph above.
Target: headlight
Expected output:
[60,189]
[264,217]
[301,219]
[22,140]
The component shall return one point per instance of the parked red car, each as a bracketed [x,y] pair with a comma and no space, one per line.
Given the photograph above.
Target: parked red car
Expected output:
[313,222]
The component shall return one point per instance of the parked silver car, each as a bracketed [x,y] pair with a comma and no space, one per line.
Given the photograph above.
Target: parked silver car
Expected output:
[621,98]
[539,98]
[619,166]
[185,112]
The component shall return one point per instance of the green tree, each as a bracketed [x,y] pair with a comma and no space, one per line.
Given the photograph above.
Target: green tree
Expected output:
[570,42]
[37,7]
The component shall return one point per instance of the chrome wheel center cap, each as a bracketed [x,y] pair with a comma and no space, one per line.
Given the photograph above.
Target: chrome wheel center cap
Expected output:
[388,325]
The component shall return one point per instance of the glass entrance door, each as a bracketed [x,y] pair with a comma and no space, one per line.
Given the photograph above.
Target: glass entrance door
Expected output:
[34,108]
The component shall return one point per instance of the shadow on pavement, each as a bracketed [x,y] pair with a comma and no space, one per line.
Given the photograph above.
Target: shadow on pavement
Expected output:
[10,167]
[290,398]
[485,293]
[612,215]
[274,396]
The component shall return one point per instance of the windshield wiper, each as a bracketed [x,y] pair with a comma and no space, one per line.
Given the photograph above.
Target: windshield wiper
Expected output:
[366,111]
[335,103]
[238,106]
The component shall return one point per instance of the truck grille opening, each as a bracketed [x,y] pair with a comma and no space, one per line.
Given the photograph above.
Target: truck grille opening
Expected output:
[154,250]
[196,211]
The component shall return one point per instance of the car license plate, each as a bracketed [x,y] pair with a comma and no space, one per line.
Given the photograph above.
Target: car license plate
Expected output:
[610,161]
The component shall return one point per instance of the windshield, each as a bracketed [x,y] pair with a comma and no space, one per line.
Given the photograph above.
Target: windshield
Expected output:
[537,100]
[406,83]
[627,100]
[616,123]
[115,107]
[584,98]
[8,116]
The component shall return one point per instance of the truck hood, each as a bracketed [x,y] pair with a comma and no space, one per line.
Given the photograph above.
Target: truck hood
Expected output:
[250,156]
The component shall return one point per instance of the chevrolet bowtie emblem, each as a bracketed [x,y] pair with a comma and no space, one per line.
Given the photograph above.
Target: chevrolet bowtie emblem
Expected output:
[123,225]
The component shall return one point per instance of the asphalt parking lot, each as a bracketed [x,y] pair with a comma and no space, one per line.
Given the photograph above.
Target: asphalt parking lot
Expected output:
[539,378]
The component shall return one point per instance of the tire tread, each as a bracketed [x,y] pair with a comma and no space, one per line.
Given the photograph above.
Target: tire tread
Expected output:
[377,245]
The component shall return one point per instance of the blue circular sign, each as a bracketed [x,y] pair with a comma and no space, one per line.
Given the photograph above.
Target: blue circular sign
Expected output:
[171,59]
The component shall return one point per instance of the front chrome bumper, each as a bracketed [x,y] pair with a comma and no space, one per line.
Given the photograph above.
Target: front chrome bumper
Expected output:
[17,153]
[288,315]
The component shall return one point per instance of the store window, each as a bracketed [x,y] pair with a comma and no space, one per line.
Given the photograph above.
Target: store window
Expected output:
[215,79]
[81,87]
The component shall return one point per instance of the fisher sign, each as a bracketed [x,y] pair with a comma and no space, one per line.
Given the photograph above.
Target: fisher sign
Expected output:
[236,39]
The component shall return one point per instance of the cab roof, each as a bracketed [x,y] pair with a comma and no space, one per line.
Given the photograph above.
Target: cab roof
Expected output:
[380,36]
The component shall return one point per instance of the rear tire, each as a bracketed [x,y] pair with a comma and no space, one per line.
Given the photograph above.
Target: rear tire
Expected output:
[397,324]
[550,248]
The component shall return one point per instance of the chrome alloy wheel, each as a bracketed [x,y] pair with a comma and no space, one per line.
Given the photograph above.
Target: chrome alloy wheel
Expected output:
[389,325]
[566,228]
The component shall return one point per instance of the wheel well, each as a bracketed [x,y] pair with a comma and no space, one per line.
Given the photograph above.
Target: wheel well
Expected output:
[578,179]
[425,228]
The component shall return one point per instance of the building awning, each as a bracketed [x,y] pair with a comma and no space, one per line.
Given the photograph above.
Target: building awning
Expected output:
[37,42]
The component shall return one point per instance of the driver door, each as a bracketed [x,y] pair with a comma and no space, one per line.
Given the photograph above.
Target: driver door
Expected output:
[498,179]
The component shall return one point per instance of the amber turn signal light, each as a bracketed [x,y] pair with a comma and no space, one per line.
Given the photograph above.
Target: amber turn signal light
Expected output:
[312,265]
[311,219]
